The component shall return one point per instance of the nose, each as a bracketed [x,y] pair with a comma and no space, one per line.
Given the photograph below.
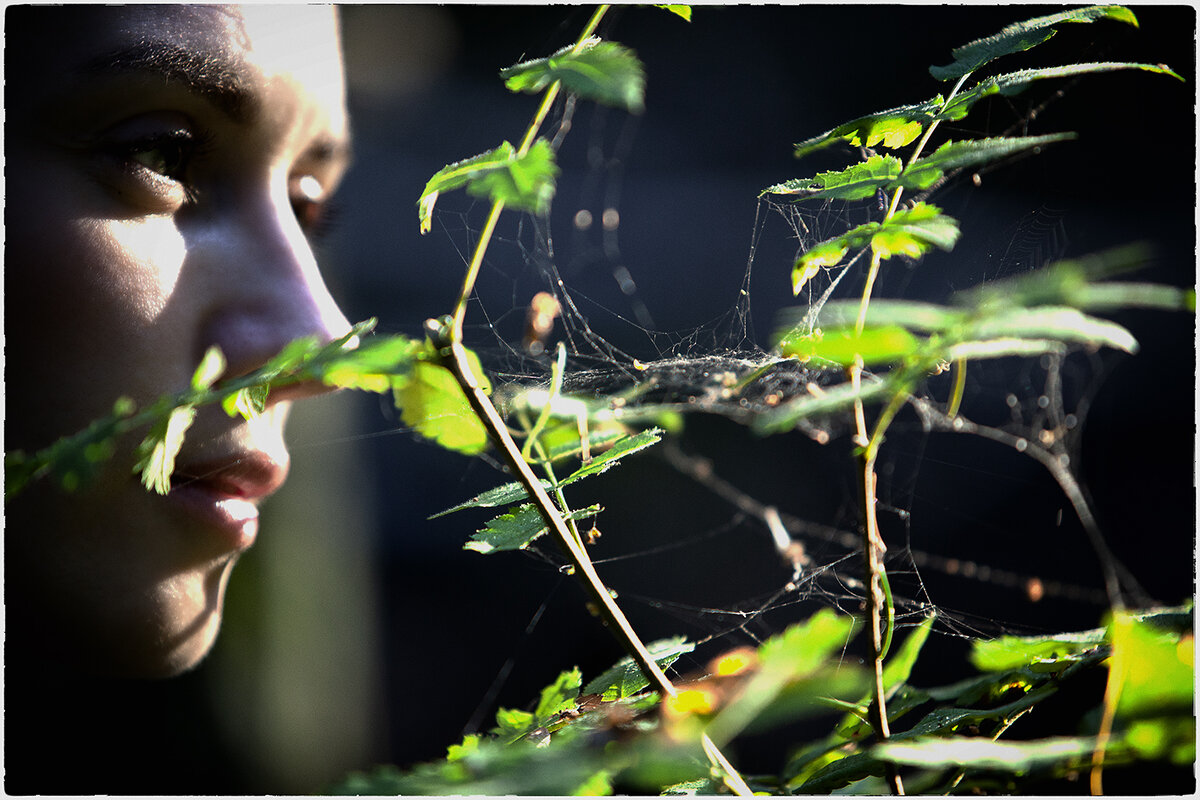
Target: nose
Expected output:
[271,293]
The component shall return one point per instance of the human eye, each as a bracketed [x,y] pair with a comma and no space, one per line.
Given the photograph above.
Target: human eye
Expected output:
[149,162]
[310,199]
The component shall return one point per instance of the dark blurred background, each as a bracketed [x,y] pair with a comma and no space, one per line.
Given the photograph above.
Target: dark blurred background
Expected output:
[360,633]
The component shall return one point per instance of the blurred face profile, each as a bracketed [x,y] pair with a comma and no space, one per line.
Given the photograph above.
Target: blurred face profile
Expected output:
[165,166]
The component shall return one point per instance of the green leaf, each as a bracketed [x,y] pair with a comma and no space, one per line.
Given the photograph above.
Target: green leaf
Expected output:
[895,127]
[900,665]
[678,10]
[605,72]
[913,315]
[525,182]
[1151,667]
[909,233]
[558,696]
[625,446]
[784,417]
[379,363]
[522,182]
[1021,36]
[433,404]
[493,498]
[211,367]
[1014,83]
[981,753]
[156,453]
[1013,652]
[1074,282]
[1052,322]
[853,183]
[912,231]
[882,345]
[516,529]
[249,402]
[825,254]
[924,172]
[625,678]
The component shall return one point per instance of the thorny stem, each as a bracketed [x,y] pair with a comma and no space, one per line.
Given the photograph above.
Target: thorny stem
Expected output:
[448,339]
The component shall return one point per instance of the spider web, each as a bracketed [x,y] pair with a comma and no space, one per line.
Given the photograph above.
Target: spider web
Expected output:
[760,555]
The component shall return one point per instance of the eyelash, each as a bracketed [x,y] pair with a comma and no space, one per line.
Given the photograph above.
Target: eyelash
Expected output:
[316,216]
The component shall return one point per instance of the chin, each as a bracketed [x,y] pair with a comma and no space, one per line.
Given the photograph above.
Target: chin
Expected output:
[179,630]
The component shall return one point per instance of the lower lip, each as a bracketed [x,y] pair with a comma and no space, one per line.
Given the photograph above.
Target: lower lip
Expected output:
[234,518]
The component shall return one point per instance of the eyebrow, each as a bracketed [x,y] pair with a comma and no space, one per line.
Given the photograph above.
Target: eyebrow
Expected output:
[210,76]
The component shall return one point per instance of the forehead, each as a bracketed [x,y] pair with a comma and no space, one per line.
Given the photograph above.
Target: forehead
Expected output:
[229,54]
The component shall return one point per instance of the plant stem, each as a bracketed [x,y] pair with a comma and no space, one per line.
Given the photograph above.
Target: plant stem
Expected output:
[454,357]
[489,227]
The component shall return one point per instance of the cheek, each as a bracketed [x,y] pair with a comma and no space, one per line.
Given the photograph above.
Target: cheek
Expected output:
[87,321]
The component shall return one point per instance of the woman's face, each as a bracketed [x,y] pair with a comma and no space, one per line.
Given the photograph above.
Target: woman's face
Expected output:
[164,167]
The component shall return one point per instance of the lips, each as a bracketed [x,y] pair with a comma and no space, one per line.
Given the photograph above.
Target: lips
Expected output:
[223,492]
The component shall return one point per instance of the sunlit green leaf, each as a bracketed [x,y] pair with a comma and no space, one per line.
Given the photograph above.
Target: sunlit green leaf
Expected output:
[784,417]
[1013,83]
[924,172]
[249,402]
[1013,652]
[492,498]
[913,315]
[625,678]
[623,447]
[983,753]
[882,345]
[1022,36]
[211,367]
[1052,322]
[605,72]
[853,183]
[892,128]
[156,453]
[516,529]
[897,669]
[912,231]
[525,182]
[379,363]
[432,403]
[826,254]
[678,10]
[1151,668]
[558,696]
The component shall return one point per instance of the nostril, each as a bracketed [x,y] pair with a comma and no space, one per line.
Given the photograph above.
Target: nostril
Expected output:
[251,334]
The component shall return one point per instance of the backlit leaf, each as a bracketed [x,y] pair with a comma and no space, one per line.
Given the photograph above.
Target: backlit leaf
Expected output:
[912,231]
[525,182]
[621,448]
[156,453]
[605,72]
[892,128]
[883,345]
[1014,83]
[625,678]
[1151,667]
[433,404]
[1013,652]
[924,172]
[211,367]
[983,753]
[678,10]
[1053,322]
[1021,36]
[492,498]
[516,529]
[853,183]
